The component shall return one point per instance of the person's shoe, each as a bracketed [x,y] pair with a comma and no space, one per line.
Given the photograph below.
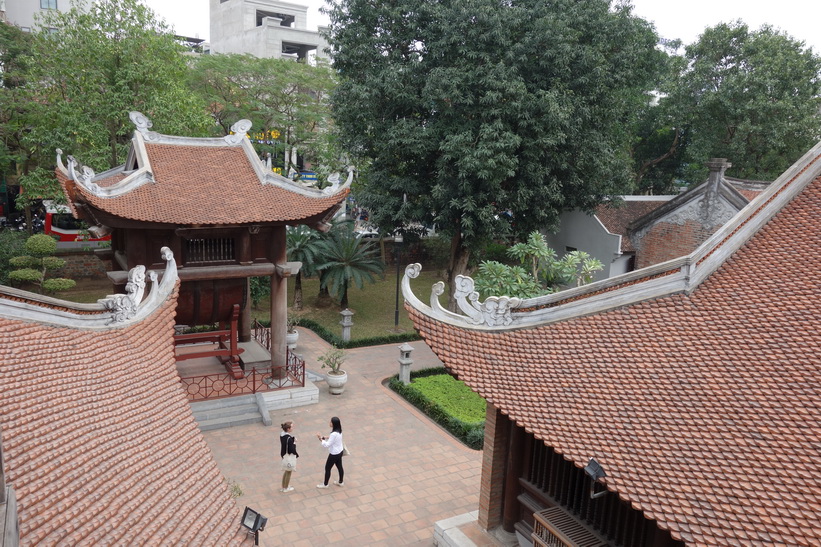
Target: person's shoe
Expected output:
[282,490]
[339,483]
[289,489]
[322,486]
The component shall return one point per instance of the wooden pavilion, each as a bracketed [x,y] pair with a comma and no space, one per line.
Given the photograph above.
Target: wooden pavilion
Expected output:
[221,211]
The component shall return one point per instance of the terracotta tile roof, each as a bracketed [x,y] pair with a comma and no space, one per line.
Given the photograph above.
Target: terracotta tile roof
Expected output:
[617,216]
[702,408]
[205,185]
[99,442]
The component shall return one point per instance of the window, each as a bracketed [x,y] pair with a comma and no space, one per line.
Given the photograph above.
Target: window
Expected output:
[48,4]
[208,250]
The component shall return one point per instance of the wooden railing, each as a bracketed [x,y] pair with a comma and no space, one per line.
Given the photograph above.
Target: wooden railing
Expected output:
[553,527]
[226,349]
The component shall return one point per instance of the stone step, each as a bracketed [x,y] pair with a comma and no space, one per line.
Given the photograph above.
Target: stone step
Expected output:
[226,412]
[229,421]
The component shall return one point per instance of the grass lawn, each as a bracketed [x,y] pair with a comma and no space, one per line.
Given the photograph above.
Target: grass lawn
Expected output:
[373,306]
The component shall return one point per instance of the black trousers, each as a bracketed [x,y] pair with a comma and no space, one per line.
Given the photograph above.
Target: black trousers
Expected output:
[334,460]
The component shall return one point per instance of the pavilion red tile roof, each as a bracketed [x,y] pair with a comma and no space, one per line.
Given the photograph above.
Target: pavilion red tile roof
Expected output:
[703,408]
[99,442]
[198,181]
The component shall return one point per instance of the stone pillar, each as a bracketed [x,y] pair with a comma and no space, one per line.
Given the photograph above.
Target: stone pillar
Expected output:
[405,362]
[279,298]
[347,323]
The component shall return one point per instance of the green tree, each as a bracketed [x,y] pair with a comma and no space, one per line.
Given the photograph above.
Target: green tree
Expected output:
[346,258]
[302,244]
[547,273]
[12,243]
[474,108]
[34,267]
[287,101]
[749,96]
[96,66]
[15,46]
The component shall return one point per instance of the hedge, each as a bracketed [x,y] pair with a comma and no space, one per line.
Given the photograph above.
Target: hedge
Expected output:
[472,434]
[336,340]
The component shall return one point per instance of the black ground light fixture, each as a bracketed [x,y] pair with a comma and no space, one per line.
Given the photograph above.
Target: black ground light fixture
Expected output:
[595,471]
[254,522]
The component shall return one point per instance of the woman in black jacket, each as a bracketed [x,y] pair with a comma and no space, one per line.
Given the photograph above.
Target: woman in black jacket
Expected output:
[288,443]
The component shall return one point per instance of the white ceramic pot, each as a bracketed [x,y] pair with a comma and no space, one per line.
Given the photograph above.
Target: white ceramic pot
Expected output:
[291,339]
[336,382]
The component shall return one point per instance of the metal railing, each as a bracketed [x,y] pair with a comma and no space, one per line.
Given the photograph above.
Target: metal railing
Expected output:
[256,380]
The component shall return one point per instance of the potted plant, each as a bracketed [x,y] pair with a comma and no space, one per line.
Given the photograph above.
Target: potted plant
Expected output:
[291,334]
[336,377]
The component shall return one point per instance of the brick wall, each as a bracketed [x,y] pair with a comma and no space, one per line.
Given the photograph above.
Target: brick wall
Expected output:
[666,241]
[82,265]
[494,455]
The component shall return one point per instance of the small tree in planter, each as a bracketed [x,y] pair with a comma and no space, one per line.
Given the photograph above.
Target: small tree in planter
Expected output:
[336,377]
[291,334]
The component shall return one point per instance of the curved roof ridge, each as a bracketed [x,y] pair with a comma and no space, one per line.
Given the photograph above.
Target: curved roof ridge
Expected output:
[113,311]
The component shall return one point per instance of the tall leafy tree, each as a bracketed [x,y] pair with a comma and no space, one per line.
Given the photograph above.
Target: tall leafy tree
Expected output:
[90,67]
[287,101]
[468,109]
[750,96]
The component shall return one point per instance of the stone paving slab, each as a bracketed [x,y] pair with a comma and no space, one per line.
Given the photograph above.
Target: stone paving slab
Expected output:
[404,474]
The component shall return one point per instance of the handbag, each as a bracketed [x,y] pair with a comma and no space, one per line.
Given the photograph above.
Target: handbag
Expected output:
[345,451]
[289,462]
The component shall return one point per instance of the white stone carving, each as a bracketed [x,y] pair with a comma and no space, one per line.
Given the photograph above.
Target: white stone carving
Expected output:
[124,306]
[239,129]
[86,178]
[495,311]
[143,124]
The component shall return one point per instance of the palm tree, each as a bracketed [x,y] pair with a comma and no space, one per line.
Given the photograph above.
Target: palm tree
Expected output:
[302,245]
[347,258]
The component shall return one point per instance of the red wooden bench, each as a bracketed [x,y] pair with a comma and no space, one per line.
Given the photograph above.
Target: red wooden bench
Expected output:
[226,349]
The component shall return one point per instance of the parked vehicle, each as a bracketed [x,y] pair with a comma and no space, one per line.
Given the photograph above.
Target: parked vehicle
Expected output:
[70,232]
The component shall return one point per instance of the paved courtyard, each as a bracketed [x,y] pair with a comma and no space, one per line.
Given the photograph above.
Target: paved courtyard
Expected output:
[404,474]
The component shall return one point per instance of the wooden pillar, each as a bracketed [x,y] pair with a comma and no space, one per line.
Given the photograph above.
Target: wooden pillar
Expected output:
[245,314]
[279,299]
[514,471]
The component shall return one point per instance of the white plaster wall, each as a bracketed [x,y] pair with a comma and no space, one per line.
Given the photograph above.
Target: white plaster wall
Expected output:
[21,12]
[586,233]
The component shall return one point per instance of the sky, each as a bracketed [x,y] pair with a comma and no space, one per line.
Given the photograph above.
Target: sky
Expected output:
[684,20]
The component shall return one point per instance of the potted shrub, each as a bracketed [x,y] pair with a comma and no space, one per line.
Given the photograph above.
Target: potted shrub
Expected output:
[336,377]
[291,334]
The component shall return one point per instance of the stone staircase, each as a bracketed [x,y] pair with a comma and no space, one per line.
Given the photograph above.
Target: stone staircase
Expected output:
[227,412]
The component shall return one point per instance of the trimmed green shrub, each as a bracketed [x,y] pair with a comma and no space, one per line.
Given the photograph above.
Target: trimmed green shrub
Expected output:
[446,401]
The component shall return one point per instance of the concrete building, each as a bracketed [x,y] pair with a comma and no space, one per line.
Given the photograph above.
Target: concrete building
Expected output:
[264,28]
[22,12]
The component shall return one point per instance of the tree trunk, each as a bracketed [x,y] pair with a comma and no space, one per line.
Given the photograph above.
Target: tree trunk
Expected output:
[298,292]
[344,302]
[457,265]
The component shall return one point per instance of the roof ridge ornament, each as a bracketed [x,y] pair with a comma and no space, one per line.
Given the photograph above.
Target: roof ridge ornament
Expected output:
[495,311]
[238,132]
[124,306]
[86,179]
[143,124]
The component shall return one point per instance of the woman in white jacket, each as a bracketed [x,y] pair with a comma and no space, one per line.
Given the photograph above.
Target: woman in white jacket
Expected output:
[333,443]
